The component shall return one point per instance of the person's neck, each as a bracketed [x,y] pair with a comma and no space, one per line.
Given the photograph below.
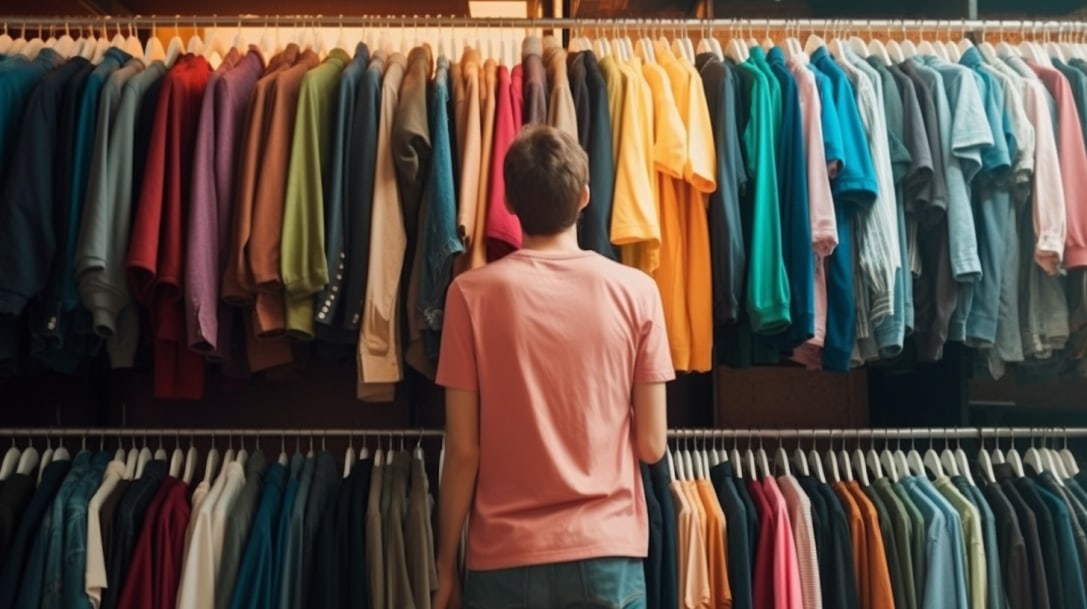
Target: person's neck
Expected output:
[565,241]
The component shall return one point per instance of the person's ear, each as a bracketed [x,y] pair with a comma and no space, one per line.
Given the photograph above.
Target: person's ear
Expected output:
[585,195]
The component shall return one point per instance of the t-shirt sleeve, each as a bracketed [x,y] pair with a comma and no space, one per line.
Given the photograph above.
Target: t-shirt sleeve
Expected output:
[653,363]
[457,367]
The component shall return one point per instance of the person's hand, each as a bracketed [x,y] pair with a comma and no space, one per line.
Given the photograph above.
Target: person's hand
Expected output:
[448,594]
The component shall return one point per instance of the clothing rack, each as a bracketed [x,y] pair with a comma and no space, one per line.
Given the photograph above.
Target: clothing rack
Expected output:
[950,433]
[14,22]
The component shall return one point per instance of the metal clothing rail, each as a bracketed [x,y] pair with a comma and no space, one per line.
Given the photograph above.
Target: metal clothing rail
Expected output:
[907,433]
[14,22]
[802,434]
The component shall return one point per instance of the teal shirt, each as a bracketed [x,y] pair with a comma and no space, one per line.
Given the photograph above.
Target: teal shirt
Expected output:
[767,300]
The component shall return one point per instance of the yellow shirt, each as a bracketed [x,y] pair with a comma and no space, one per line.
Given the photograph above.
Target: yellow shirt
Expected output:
[634,224]
[669,160]
[699,180]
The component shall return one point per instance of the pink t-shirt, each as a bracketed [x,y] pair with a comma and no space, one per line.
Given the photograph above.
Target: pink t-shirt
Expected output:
[553,342]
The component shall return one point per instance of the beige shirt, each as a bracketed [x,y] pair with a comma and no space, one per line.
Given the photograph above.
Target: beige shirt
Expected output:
[379,362]
[469,152]
[96,581]
[561,112]
[476,250]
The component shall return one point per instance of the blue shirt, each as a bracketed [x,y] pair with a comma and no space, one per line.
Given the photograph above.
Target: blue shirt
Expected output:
[940,583]
[1072,578]
[290,595]
[73,592]
[995,596]
[45,593]
[257,584]
[956,540]
[441,243]
[796,247]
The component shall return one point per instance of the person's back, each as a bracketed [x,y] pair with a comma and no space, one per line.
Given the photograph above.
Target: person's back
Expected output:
[543,355]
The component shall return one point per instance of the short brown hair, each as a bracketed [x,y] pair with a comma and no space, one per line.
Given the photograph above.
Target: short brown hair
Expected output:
[545,172]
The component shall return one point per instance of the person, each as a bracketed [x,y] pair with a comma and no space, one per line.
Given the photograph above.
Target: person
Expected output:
[553,360]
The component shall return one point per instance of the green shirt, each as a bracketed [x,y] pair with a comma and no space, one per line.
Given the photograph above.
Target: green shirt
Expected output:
[767,283]
[302,262]
[975,545]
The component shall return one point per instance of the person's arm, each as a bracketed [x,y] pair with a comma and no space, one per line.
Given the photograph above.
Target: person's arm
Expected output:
[458,482]
[650,421]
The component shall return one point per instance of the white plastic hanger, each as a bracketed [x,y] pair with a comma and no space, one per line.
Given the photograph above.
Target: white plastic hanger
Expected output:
[379,454]
[947,460]
[349,457]
[266,44]
[47,458]
[160,452]
[701,468]
[10,461]
[1014,460]
[763,461]
[130,461]
[143,458]
[963,463]
[1033,457]
[132,44]
[61,453]
[192,456]
[175,48]
[28,461]
[196,43]
[177,460]
[364,450]
[831,461]
[673,476]
[153,50]
[800,459]
[33,46]
[913,460]
[211,464]
[719,452]
[18,44]
[242,456]
[932,460]
[816,463]
[688,463]
[737,48]
[749,461]
[283,460]
[737,460]
[65,45]
[676,459]
[228,457]
[1069,459]
[887,460]
[5,40]
[872,459]
[118,40]
[781,461]
[985,461]
[859,465]
[713,456]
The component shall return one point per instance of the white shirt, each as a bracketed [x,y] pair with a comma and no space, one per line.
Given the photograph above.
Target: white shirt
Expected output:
[95,575]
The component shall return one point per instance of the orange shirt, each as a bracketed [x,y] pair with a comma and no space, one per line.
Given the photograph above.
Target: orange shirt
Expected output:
[716,553]
[880,593]
[858,536]
[694,582]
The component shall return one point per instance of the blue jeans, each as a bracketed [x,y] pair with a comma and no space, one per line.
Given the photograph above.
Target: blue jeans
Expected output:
[598,583]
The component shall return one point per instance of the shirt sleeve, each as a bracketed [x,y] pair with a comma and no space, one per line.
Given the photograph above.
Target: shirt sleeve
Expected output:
[653,363]
[457,367]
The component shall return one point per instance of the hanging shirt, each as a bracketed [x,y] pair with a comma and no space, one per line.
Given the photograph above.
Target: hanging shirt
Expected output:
[1014,565]
[799,510]
[694,582]
[795,215]
[258,572]
[379,337]
[975,551]
[787,579]
[561,113]
[237,529]
[767,296]
[354,135]
[38,106]
[469,96]
[108,187]
[208,320]
[503,229]
[94,576]
[302,259]
[535,90]
[155,261]
[594,229]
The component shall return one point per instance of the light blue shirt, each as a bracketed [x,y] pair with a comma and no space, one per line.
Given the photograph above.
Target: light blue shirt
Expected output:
[945,582]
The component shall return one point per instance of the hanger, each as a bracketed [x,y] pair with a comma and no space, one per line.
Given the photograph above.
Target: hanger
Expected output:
[763,462]
[953,52]
[688,462]
[174,48]
[47,457]
[701,468]
[191,459]
[704,44]
[872,459]
[767,42]
[228,456]
[1033,456]
[672,474]
[985,461]
[18,44]
[132,44]
[887,459]
[10,461]
[963,463]
[1068,458]
[749,460]
[815,462]
[858,46]
[799,458]
[737,460]
[379,454]
[1014,460]
[858,463]
[843,459]
[1053,461]
[736,50]
[153,51]
[677,463]
[913,460]
[713,456]
[242,456]
[832,461]
[196,43]
[781,460]
[160,452]
[947,460]
[141,461]
[33,46]
[28,461]
[130,461]
[51,42]
[932,460]
[65,44]
[349,456]
[5,40]
[177,459]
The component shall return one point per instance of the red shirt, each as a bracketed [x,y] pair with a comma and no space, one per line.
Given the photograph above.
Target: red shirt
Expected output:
[503,229]
[762,589]
[137,591]
[169,543]
[156,253]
